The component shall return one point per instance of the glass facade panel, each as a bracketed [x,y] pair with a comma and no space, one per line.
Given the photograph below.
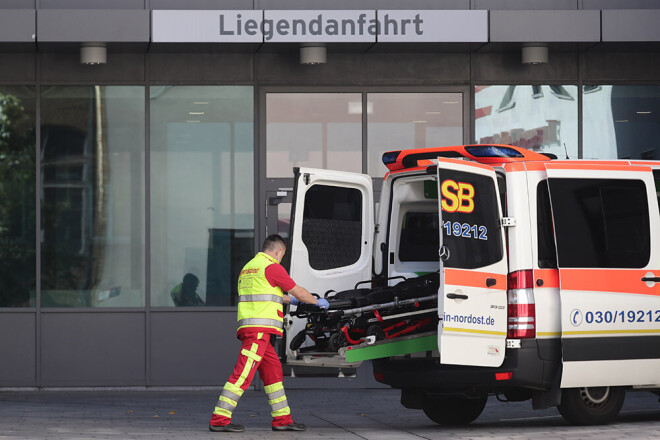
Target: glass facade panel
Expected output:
[541,118]
[92,191]
[411,120]
[318,130]
[621,121]
[202,193]
[17,196]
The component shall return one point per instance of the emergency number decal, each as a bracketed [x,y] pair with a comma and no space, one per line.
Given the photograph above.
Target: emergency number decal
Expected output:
[465,230]
[457,196]
[613,316]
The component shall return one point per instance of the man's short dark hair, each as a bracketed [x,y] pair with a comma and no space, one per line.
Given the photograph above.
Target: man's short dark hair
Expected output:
[272,242]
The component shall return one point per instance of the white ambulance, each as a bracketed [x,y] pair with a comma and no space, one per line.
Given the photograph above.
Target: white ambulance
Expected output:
[549,276]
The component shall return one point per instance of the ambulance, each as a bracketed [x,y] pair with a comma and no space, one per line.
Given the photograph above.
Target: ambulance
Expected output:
[549,276]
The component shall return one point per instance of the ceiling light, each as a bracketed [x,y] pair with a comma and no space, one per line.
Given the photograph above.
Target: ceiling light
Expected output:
[193,121]
[196,113]
[355,108]
[312,54]
[93,53]
[621,120]
[200,102]
[534,53]
[450,102]
[643,113]
[434,113]
[420,122]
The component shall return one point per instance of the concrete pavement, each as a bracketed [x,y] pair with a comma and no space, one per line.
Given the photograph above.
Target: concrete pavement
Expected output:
[328,414]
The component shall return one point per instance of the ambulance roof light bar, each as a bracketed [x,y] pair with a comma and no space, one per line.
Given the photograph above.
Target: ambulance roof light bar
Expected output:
[490,154]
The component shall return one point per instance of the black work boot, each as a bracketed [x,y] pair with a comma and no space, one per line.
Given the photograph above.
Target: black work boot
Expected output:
[232,427]
[291,427]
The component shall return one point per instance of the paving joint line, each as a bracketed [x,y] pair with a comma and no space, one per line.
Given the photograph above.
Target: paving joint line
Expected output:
[338,426]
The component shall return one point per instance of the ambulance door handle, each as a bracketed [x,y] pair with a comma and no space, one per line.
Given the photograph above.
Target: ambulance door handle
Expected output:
[490,282]
[654,279]
[456,296]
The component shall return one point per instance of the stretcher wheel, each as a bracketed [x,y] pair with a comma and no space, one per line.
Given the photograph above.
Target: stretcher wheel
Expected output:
[297,340]
[376,331]
[336,341]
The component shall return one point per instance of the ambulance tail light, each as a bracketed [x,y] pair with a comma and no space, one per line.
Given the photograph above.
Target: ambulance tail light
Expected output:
[522,311]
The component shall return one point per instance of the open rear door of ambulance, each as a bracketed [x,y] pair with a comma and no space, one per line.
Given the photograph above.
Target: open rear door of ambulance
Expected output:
[472,300]
[332,230]
[607,234]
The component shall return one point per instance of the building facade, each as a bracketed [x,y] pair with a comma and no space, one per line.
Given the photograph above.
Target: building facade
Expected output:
[128,184]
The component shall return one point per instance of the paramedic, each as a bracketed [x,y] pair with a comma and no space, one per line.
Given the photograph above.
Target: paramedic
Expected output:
[260,296]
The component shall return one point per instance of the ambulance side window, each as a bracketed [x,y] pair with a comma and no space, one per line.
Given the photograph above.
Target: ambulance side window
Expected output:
[545,235]
[601,222]
[332,226]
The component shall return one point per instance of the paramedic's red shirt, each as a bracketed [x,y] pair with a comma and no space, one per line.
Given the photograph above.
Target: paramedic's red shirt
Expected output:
[277,277]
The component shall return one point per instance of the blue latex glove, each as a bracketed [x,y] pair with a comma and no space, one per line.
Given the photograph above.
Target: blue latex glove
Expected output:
[294,300]
[323,303]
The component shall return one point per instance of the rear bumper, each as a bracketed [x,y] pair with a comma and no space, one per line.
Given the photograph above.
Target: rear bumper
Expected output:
[533,366]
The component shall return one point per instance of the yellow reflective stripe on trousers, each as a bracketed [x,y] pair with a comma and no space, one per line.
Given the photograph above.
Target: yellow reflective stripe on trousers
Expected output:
[230,395]
[277,399]
[273,387]
[273,397]
[226,403]
[282,412]
[252,357]
[233,389]
[222,412]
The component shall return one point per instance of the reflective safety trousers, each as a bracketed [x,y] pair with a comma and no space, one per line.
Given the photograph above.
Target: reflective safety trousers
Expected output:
[259,303]
[257,354]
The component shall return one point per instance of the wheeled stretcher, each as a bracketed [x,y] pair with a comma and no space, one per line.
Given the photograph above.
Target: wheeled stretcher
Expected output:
[378,313]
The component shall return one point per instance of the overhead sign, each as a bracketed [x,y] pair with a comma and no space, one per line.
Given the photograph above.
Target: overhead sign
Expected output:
[320,26]
[324,26]
[453,26]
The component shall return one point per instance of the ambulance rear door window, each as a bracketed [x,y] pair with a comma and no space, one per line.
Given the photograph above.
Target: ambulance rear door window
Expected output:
[470,224]
[601,222]
[332,226]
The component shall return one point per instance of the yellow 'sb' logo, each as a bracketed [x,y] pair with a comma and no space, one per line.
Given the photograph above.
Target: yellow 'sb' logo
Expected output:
[457,196]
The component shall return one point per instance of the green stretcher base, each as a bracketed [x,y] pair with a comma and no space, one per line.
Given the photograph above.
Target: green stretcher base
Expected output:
[396,347]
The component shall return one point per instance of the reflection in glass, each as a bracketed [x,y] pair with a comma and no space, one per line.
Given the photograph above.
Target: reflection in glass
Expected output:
[318,130]
[202,201]
[17,196]
[541,117]
[92,164]
[284,219]
[621,121]
[411,120]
